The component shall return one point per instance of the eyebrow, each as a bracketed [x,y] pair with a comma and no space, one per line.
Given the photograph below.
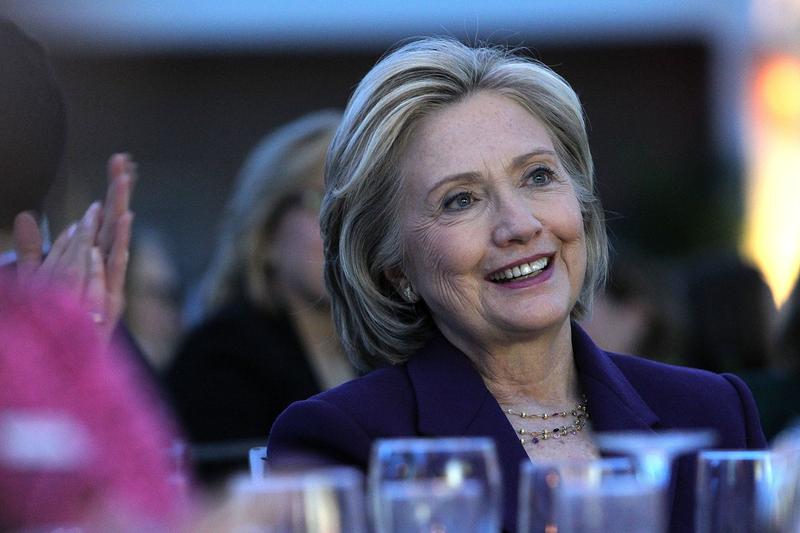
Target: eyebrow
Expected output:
[473,176]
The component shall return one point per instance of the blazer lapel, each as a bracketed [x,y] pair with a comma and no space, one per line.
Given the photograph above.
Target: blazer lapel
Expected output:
[613,403]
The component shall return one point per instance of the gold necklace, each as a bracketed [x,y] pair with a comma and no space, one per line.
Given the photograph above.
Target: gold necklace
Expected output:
[579,416]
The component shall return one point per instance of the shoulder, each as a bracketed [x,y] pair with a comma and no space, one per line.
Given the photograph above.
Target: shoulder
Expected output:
[235,335]
[689,397]
[339,425]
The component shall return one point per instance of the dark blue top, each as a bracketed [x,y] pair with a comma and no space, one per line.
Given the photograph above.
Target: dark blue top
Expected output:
[439,393]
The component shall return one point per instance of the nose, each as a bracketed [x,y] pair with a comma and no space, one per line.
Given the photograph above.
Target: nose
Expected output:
[516,222]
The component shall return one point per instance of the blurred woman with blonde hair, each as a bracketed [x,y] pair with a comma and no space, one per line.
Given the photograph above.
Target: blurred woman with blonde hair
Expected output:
[265,335]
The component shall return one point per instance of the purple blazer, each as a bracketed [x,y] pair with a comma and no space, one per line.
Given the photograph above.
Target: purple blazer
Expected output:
[438,393]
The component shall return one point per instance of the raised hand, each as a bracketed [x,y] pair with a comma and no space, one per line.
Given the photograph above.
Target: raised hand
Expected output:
[89,257]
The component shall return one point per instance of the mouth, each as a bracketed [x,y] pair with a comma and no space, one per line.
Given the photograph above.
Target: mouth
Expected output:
[521,271]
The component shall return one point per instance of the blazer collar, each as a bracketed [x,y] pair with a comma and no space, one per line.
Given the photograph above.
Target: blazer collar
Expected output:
[452,400]
[613,403]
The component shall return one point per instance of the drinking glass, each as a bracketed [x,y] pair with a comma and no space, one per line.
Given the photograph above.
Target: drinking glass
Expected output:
[319,501]
[653,453]
[731,488]
[583,496]
[540,481]
[782,505]
[257,461]
[430,485]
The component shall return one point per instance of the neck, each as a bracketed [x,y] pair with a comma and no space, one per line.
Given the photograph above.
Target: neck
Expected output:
[538,371]
[314,326]
[311,319]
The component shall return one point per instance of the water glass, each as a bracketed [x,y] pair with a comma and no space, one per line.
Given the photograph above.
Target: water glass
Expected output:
[257,461]
[732,487]
[320,501]
[653,453]
[541,480]
[427,485]
[588,496]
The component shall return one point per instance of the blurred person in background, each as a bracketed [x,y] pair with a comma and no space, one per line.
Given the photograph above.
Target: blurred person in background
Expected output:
[266,336]
[153,294]
[89,256]
[731,327]
[789,332]
[33,123]
[635,312]
[731,314]
[83,442]
[778,393]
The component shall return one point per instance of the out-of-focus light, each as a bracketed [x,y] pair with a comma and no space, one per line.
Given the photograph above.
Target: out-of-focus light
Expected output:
[778,88]
[772,221]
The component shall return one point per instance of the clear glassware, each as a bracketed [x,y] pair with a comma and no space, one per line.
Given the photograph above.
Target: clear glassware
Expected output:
[781,506]
[257,461]
[319,501]
[427,485]
[540,481]
[587,496]
[653,453]
[730,490]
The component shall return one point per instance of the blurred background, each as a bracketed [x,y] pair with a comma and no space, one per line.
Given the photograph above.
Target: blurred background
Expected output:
[694,108]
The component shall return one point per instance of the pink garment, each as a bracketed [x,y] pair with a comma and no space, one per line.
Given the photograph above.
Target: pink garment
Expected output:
[79,437]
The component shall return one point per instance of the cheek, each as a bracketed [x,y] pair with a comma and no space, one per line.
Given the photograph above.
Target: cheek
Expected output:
[568,220]
[300,231]
[441,260]
[574,238]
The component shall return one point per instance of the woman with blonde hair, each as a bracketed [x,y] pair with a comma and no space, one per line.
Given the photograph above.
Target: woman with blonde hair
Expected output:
[463,239]
[265,336]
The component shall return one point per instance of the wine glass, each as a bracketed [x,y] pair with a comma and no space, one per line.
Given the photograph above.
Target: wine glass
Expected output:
[319,501]
[730,490]
[540,481]
[587,495]
[257,461]
[653,453]
[426,485]
[782,505]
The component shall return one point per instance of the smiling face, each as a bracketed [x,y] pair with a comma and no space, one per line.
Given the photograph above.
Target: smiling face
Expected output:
[491,224]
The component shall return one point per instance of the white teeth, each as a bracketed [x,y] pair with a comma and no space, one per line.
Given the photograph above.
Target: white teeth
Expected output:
[526,269]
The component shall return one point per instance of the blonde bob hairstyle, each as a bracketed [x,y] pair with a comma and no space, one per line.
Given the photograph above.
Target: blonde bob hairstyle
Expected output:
[282,165]
[361,210]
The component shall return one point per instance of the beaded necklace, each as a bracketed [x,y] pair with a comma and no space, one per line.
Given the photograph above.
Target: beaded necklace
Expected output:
[579,416]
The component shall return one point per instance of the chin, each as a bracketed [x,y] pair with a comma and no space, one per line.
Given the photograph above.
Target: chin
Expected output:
[539,316]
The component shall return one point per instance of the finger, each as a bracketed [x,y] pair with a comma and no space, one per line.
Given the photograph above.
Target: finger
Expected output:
[27,245]
[116,165]
[121,173]
[117,266]
[47,270]
[73,265]
[95,293]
